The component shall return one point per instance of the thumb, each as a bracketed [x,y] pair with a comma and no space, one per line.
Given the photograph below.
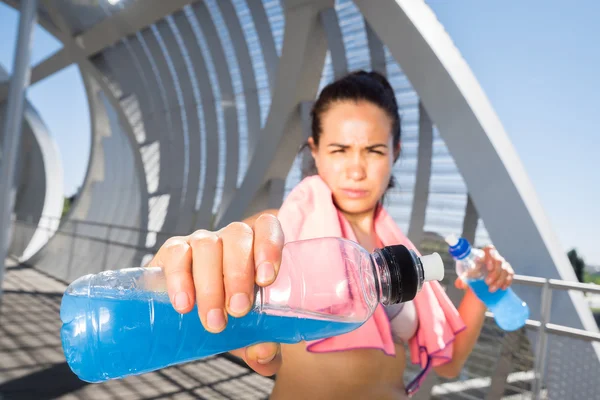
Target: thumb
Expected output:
[263,358]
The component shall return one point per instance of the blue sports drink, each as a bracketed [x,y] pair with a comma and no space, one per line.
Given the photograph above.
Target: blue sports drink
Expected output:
[134,336]
[510,312]
[121,323]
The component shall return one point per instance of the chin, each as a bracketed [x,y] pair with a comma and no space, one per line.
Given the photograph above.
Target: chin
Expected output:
[356,207]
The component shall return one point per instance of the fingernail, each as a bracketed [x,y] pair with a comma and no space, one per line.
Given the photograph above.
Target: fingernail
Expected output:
[492,289]
[267,360]
[265,273]
[215,319]
[239,303]
[181,300]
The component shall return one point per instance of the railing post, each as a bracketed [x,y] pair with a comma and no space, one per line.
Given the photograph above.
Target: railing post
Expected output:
[13,121]
[541,345]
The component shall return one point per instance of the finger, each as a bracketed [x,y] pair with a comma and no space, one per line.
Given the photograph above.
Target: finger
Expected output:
[264,358]
[508,281]
[492,276]
[494,264]
[510,274]
[491,257]
[238,267]
[175,259]
[499,281]
[268,245]
[505,277]
[207,255]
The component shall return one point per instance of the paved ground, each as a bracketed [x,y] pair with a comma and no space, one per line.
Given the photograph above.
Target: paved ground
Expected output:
[32,365]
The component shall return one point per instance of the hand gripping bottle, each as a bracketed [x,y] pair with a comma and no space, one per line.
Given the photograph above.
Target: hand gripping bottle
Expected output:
[120,323]
[510,312]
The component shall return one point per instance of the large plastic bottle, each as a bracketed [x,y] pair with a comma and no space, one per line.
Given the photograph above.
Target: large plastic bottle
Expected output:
[510,312]
[120,323]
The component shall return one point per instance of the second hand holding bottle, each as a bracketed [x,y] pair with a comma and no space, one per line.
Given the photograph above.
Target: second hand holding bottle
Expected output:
[510,312]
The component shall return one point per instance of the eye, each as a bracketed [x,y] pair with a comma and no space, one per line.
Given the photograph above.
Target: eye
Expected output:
[338,151]
[379,152]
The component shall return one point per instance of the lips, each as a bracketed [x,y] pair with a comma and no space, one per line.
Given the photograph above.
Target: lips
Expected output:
[355,193]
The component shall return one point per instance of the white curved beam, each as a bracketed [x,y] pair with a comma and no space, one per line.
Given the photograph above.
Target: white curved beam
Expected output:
[210,153]
[133,110]
[78,55]
[246,72]
[470,221]
[171,139]
[39,195]
[307,163]
[131,19]
[183,221]
[84,208]
[157,151]
[423,176]
[265,37]
[53,196]
[335,42]
[227,100]
[376,51]
[300,67]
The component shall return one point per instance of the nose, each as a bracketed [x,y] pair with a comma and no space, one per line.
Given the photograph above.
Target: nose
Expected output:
[355,169]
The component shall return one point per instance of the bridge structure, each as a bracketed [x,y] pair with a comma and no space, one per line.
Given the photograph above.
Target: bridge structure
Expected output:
[198,112]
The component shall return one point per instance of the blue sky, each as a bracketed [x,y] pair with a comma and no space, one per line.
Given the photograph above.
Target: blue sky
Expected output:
[60,99]
[536,60]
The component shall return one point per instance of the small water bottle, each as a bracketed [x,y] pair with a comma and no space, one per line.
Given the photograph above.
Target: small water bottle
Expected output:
[510,312]
[120,323]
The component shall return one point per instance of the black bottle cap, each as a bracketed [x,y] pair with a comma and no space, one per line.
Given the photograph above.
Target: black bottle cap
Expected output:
[404,278]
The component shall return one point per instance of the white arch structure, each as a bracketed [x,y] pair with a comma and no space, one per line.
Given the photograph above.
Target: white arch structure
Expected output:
[199,108]
[38,198]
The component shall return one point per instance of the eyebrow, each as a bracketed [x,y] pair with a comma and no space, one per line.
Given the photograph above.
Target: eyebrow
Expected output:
[373,147]
[345,146]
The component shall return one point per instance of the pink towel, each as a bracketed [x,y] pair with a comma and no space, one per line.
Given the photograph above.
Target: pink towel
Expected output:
[309,212]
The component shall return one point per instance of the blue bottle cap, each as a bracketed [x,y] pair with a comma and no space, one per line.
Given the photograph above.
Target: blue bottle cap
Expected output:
[459,248]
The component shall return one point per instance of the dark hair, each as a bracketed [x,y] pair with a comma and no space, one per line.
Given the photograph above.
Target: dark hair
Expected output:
[358,86]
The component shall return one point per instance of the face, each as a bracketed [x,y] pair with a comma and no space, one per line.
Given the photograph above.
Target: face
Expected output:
[355,154]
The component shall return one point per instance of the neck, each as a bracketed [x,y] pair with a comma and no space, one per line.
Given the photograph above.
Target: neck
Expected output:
[364,222]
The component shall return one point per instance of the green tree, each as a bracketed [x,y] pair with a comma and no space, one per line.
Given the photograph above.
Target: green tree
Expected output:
[577,263]
[67,204]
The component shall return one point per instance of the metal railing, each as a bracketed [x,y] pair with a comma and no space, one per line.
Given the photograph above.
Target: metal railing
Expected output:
[543,327]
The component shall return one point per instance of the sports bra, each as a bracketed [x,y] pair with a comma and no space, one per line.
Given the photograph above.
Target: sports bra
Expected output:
[403,321]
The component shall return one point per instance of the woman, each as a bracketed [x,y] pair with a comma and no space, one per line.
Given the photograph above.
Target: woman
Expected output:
[355,142]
